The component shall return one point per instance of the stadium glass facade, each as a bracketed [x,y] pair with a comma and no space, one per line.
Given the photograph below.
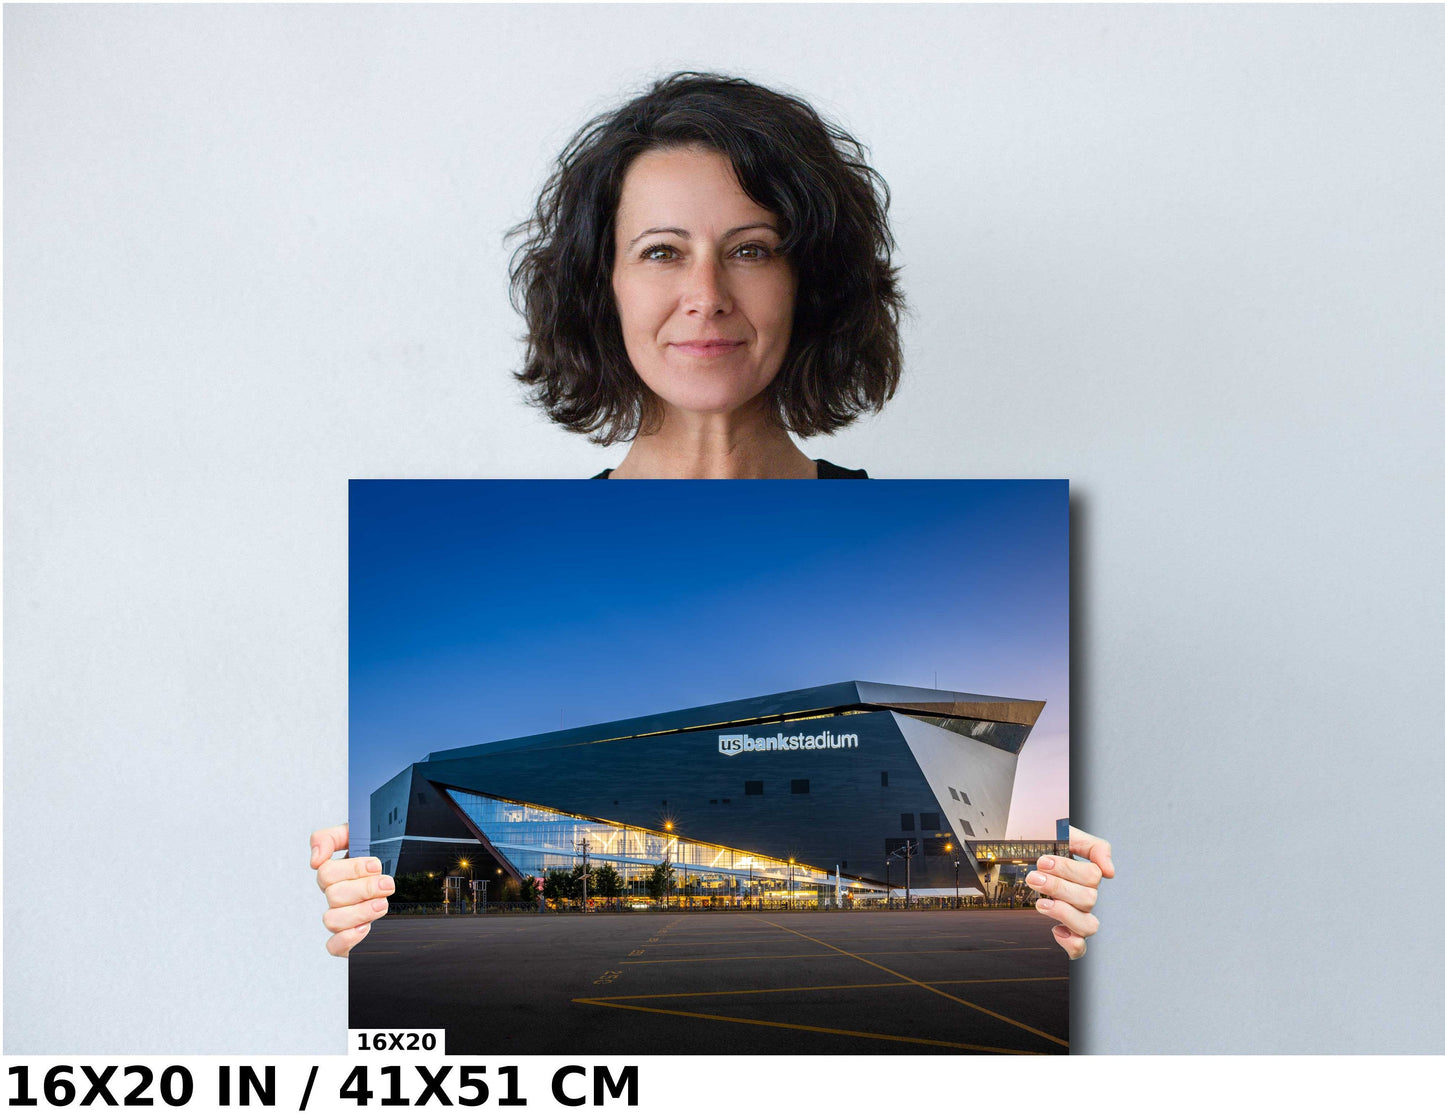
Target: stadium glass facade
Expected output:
[535,840]
[874,784]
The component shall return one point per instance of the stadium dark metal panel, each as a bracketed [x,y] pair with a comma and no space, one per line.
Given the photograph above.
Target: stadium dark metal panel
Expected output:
[837,776]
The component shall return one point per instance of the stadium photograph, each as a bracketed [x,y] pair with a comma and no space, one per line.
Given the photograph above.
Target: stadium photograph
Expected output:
[738,767]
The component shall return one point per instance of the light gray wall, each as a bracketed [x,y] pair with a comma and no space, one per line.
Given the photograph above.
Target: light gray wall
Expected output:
[1190,258]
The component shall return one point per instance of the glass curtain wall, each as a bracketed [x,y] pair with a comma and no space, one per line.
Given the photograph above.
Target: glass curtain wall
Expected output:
[537,840]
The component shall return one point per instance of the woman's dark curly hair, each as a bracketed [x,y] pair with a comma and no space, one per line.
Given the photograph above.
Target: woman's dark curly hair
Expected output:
[844,356]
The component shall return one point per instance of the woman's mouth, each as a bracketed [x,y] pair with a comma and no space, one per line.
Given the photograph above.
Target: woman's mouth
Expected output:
[706,347]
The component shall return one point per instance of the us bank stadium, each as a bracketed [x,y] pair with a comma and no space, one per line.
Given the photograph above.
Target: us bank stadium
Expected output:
[849,786]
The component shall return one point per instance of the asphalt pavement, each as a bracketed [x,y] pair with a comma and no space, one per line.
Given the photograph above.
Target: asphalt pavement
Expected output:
[690,982]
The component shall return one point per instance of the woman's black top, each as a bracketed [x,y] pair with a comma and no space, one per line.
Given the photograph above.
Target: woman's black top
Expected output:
[825,470]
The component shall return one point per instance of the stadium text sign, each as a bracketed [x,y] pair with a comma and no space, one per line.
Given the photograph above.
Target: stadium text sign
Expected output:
[737,744]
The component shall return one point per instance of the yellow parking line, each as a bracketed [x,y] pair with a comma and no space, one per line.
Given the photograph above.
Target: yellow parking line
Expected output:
[929,987]
[935,952]
[834,987]
[799,956]
[706,960]
[803,1027]
[682,941]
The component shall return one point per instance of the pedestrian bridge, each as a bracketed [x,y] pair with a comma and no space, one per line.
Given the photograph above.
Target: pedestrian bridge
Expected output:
[995,852]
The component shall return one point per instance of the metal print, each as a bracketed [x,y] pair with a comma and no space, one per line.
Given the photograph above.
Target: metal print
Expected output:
[711,767]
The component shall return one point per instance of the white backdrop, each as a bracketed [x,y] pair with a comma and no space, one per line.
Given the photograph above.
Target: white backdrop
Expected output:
[1190,258]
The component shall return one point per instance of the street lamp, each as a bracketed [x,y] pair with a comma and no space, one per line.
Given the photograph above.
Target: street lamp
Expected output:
[955,884]
[790,882]
[584,846]
[888,879]
[906,851]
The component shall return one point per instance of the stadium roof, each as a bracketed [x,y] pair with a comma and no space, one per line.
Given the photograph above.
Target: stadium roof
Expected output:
[846,696]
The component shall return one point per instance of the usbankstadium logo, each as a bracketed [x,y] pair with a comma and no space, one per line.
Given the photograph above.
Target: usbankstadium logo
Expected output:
[736,744]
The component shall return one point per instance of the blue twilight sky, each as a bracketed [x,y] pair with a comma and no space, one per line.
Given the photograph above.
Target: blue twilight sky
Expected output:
[483,610]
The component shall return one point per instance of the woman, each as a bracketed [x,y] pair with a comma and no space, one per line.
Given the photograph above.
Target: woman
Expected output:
[706,275]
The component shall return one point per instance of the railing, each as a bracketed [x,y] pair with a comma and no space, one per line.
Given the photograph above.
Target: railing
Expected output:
[1008,898]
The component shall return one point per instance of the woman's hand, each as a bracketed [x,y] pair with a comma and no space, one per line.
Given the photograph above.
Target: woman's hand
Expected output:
[1070,888]
[355,889]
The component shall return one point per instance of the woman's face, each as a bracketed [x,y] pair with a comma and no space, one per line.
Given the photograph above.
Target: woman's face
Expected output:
[705,299]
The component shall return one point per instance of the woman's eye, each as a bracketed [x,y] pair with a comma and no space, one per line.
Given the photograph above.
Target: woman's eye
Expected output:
[659,253]
[753,252]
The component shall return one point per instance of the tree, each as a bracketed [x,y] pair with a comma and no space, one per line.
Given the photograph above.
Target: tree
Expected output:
[661,880]
[558,883]
[606,882]
[419,889]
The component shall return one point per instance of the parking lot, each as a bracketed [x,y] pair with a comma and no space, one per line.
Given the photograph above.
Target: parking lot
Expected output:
[688,982]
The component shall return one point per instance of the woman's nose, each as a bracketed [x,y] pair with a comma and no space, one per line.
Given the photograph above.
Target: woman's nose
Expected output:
[707,290]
